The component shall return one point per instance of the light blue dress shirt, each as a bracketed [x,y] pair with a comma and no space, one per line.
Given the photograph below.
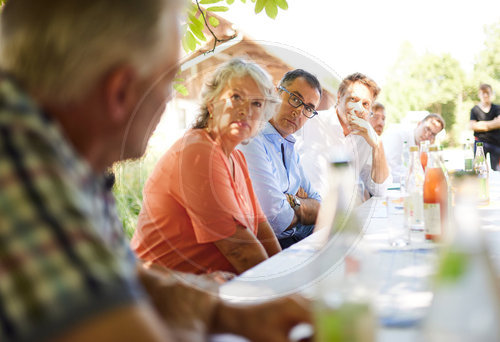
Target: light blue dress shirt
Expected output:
[272,179]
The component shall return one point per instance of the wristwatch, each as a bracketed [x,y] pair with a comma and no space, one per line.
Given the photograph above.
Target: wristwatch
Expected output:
[295,202]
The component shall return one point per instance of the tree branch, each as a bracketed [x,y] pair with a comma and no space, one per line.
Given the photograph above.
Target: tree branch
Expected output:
[216,39]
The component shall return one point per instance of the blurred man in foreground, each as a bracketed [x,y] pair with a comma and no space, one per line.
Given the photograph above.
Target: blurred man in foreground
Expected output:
[377,118]
[394,139]
[83,84]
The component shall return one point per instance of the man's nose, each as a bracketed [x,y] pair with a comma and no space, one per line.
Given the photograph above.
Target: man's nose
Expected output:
[296,111]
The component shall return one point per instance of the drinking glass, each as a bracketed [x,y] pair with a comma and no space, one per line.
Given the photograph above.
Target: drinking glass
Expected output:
[398,231]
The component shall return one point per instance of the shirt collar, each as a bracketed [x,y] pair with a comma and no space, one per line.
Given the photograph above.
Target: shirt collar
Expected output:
[271,133]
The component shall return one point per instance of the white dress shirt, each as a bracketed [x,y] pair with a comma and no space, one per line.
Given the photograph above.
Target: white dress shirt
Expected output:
[322,140]
[393,140]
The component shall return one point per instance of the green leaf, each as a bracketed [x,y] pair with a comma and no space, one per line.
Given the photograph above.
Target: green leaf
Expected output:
[282,4]
[197,32]
[208,2]
[185,44]
[180,88]
[178,80]
[197,22]
[190,41]
[213,21]
[259,6]
[218,9]
[192,9]
[271,9]
[229,2]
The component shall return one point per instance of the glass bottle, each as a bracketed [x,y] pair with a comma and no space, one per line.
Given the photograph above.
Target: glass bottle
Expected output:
[343,309]
[481,170]
[424,149]
[466,301]
[405,160]
[414,208]
[406,154]
[435,197]
[468,155]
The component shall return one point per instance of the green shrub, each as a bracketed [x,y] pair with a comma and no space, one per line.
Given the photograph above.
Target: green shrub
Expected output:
[130,178]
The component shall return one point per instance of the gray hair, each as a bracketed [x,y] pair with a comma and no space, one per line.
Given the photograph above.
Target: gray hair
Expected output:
[58,49]
[292,75]
[237,67]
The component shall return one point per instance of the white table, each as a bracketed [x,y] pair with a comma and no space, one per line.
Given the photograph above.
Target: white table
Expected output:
[399,278]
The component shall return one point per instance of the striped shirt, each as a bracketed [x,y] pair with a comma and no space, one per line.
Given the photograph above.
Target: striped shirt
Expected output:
[63,257]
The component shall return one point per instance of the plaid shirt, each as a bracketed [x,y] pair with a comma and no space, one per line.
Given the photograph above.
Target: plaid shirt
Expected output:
[63,257]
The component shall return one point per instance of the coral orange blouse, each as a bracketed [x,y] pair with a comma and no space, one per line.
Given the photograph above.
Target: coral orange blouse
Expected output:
[191,200]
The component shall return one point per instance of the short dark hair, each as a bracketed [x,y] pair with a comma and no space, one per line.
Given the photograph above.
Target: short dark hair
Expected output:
[377,106]
[485,87]
[435,117]
[361,78]
[290,76]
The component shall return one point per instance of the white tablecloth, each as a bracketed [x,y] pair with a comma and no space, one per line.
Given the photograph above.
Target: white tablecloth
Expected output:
[399,277]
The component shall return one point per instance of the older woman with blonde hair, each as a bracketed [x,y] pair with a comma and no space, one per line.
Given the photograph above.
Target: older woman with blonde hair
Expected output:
[200,212]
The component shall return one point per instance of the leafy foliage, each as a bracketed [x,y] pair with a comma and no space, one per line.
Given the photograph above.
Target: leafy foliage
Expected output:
[487,67]
[428,82]
[197,22]
[130,179]
[437,83]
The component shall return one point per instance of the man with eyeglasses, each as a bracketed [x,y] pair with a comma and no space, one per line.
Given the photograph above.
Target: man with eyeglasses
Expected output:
[285,194]
[394,139]
[347,134]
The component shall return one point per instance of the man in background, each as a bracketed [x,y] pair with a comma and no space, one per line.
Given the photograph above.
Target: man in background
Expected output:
[287,198]
[82,85]
[394,139]
[485,122]
[346,131]
[377,118]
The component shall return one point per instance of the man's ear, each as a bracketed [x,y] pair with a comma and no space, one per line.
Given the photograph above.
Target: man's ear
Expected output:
[120,92]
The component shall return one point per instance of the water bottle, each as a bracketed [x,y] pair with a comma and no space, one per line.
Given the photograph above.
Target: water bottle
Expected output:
[468,156]
[414,208]
[481,170]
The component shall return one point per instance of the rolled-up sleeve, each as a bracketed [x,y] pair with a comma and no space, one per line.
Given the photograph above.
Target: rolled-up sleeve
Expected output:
[376,189]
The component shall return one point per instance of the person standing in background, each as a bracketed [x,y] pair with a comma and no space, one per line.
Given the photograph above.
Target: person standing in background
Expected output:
[485,122]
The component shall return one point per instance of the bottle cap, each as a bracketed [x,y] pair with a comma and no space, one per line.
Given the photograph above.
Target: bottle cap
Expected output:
[479,144]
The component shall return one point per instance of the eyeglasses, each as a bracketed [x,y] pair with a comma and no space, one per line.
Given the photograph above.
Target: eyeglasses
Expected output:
[296,102]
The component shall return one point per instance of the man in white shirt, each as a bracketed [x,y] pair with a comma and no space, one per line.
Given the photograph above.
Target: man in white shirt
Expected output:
[377,118]
[394,139]
[346,130]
